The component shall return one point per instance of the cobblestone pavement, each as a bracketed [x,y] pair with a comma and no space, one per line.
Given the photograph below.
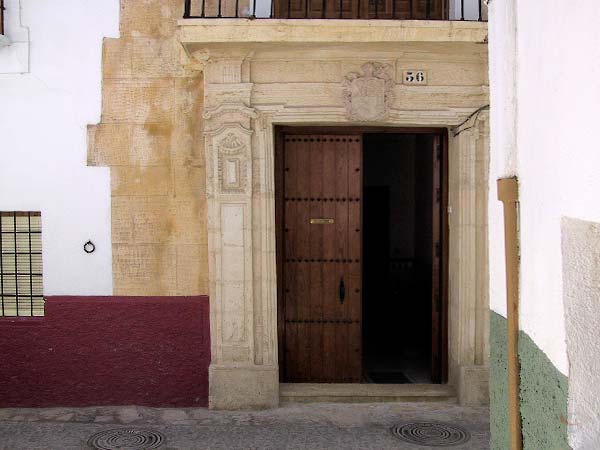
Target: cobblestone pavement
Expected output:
[291,427]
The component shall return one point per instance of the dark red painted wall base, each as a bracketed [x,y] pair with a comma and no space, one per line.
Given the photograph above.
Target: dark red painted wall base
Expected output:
[151,351]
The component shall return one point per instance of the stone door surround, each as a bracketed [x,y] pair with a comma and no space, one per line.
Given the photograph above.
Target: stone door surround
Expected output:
[241,111]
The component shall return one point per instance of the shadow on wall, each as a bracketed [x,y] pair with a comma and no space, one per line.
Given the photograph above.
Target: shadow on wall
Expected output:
[149,351]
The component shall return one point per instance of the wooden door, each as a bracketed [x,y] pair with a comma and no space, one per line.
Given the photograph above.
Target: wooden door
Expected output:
[437,295]
[320,257]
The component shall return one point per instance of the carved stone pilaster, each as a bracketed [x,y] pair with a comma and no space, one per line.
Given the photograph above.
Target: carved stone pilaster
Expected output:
[228,153]
[238,376]
[469,259]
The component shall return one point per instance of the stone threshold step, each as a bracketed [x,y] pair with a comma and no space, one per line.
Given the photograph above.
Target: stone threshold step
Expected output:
[365,393]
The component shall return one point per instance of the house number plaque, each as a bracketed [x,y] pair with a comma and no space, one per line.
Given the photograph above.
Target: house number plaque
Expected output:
[321,221]
[415,77]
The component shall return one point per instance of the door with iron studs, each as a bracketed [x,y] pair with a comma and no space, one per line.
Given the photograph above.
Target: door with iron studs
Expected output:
[320,257]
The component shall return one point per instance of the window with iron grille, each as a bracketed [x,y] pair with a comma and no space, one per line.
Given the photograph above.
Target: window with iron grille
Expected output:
[21,264]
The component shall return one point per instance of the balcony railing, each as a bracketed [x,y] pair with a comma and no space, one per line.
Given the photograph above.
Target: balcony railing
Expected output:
[472,10]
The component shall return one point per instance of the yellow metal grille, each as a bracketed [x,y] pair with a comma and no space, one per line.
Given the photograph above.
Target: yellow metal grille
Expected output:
[21,264]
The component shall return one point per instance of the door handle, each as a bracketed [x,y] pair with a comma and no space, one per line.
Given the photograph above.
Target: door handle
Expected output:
[342,290]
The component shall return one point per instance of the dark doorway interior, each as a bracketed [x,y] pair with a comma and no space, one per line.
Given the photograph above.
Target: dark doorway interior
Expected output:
[398,257]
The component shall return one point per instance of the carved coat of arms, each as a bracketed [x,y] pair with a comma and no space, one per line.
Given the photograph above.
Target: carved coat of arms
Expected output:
[368,96]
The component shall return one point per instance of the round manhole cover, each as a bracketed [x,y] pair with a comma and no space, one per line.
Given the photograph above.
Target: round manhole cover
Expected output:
[431,434]
[126,439]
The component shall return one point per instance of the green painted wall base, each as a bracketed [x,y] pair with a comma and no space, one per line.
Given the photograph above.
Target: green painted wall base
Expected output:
[500,439]
[543,394]
[543,399]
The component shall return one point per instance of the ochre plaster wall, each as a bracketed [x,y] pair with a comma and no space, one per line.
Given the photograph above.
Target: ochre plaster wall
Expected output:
[150,136]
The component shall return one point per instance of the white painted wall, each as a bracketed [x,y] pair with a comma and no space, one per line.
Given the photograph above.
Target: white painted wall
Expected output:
[471,9]
[556,156]
[14,43]
[581,282]
[43,118]
[503,134]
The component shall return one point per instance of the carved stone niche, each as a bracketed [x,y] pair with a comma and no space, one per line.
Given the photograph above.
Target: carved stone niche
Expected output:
[369,95]
[232,167]
[228,137]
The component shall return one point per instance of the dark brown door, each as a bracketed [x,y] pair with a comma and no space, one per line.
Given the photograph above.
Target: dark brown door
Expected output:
[436,271]
[320,256]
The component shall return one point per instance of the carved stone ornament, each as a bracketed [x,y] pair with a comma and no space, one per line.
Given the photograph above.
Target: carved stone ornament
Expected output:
[368,96]
[230,144]
[232,164]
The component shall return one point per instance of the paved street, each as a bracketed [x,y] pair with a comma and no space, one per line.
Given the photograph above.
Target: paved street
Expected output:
[292,427]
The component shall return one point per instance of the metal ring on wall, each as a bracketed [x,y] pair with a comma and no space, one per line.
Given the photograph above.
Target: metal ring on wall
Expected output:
[89,247]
